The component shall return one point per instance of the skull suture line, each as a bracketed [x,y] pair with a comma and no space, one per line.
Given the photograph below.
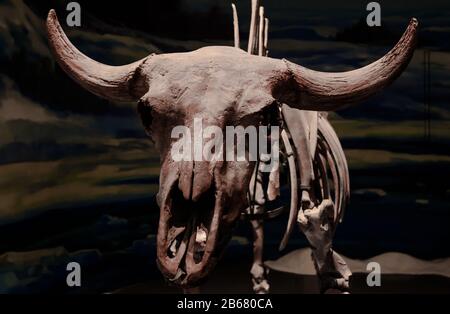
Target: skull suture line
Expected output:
[226,86]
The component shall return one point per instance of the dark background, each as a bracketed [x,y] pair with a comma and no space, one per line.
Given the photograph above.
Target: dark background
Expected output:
[78,175]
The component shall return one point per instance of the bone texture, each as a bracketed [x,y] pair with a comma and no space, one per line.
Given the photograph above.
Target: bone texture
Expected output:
[323,91]
[111,82]
[284,81]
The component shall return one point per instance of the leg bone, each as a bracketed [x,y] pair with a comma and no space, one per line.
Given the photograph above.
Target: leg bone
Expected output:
[318,226]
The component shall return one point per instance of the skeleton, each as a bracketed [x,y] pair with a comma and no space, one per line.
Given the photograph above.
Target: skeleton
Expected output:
[201,201]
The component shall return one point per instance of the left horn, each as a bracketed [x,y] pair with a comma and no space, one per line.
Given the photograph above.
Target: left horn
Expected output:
[320,91]
[116,83]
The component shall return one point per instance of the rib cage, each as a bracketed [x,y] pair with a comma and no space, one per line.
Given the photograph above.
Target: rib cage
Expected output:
[330,159]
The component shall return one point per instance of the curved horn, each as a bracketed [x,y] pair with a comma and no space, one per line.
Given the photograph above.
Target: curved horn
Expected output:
[116,83]
[321,91]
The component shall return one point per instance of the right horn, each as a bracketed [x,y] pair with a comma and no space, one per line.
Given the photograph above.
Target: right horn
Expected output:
[116,83]
[325,91]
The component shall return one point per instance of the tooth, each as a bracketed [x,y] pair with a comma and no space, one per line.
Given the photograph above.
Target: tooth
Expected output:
[179,274]
[201,235]
[173,233]
[173,247]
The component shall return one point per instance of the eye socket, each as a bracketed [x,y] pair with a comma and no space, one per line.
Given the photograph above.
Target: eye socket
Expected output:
[270,115]
[146,114]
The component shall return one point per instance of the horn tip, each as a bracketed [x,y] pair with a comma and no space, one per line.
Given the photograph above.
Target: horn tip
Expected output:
[414,22]
[51,15]
[52,20]
[52,24]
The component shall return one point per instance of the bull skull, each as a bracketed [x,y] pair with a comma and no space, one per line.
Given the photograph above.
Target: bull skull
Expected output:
[225,86]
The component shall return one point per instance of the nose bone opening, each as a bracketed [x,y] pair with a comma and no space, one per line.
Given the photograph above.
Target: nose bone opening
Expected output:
[190,220]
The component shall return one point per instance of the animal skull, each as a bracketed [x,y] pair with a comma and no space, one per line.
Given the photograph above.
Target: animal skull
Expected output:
[224,86]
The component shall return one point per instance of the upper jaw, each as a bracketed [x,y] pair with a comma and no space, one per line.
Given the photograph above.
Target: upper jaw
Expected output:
[187,236]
